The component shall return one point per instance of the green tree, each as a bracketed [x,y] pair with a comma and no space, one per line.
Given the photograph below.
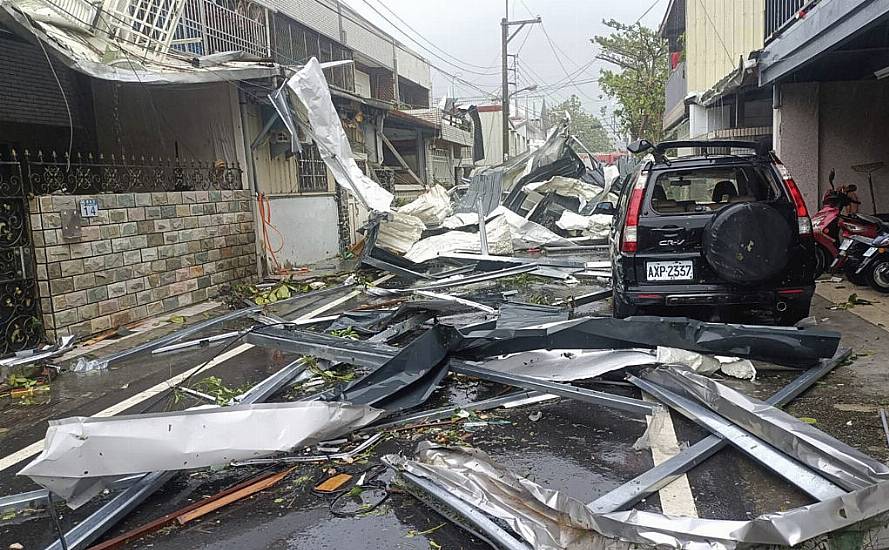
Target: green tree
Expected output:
[585,126]
[639,81]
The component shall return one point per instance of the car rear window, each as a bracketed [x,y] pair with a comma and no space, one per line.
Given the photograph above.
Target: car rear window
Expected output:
[711,188]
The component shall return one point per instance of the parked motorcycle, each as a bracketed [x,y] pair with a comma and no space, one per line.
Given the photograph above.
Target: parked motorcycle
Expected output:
[850,257]
[831,228]
[874,266]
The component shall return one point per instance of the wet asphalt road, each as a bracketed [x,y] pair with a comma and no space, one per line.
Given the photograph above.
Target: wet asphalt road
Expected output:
[582,449]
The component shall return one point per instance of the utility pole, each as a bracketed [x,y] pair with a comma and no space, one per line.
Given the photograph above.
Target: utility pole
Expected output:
[505,37]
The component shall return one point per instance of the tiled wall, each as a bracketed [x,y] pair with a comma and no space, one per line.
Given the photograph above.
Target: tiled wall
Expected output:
[144,254]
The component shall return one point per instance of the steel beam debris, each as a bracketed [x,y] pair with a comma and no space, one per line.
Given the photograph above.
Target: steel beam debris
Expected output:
[807,480]
[628,404]
[666,472]
[463,514]
[96,524]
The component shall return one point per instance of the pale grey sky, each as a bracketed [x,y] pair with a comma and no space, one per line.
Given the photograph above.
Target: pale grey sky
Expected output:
[469,30]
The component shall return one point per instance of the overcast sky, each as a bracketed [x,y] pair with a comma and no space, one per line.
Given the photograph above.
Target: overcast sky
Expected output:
[468,35]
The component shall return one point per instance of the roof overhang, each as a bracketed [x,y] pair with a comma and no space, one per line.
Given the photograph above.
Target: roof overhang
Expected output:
[81,52]
[827,26]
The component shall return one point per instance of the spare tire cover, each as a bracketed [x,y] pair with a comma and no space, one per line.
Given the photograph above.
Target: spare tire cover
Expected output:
[747,243]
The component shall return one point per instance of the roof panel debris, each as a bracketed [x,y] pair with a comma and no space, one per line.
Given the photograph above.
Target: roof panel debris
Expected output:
[473,309]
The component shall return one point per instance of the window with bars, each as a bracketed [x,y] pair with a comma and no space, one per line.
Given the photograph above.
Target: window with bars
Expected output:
[312,171]
[295,44]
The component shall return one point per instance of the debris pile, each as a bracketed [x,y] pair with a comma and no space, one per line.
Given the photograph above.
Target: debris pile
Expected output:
[386,386]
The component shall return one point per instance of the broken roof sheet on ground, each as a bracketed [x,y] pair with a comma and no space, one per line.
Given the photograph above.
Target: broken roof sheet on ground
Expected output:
[83,455]
[548,518]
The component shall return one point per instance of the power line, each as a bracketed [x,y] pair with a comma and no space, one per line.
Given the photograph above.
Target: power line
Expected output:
[559,60]
[651,7]
[427,50]
[419,34]
[716,31]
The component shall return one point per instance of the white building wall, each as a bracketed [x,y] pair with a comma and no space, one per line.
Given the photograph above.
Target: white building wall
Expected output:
[374,45]
[821,127]
[308,228]
[413,68]
[493,138]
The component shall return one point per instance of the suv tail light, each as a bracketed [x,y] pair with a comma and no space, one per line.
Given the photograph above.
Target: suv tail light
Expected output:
[629,242]
[804,223]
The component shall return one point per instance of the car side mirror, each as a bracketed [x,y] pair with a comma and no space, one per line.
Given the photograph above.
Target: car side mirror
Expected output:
[606,208]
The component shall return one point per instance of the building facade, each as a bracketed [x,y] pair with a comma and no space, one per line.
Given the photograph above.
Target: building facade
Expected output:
[711,91]
[164,145]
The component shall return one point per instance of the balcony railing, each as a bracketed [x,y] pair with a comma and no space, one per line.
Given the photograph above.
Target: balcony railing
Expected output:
[146,24]
[676,90]
[781,14]
[206,27]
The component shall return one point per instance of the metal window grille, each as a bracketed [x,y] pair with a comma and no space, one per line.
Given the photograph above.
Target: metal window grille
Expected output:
[150,24]
[312,171]
[780,13]
[208,27]
[295,44]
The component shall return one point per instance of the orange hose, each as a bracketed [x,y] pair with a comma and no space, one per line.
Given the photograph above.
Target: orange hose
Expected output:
[265,215]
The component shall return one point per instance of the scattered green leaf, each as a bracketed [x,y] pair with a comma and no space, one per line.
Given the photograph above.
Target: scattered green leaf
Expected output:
[178,319]
[808,420]
[347,332]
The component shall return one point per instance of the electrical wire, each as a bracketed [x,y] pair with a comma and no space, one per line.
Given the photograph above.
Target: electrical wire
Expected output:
[418,33]
[559,60]
[646,12]
[54,515]
[427,50]
[716,31]
[67,106]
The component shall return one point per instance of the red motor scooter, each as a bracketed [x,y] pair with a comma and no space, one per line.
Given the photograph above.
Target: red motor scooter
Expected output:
[830,227]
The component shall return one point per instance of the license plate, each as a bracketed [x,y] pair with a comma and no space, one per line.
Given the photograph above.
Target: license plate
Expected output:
[845,244]
[670,271]
[869,252]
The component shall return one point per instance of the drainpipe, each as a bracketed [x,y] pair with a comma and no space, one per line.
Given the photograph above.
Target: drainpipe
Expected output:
[252,185]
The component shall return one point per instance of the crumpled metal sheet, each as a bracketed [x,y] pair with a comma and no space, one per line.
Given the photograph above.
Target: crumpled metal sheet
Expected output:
[499,242]
[527,234]
[83,455]
[550,519]
[570,364]
[409,378]
[432,207]
[781,345]
[841,463]
[596,226]
[566,187]
[706,364]
[86,53]
[400,232]
[310,87]
[518,314]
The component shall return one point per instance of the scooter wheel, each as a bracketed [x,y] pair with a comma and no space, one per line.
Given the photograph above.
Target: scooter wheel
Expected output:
[823,259]
[878,277]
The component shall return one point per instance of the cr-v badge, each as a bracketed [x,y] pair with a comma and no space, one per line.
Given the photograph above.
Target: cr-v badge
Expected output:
[672,242]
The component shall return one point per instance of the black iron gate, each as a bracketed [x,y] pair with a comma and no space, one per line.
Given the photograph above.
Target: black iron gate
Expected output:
[21,326]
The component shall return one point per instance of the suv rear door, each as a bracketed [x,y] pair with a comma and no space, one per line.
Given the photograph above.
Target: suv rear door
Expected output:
[681,199]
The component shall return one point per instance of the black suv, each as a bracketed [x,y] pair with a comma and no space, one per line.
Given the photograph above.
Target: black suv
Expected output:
[715,229]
